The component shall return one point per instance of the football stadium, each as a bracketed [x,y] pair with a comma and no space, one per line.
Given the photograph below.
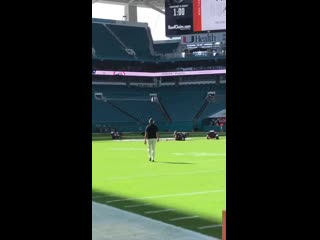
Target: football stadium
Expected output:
[174,188]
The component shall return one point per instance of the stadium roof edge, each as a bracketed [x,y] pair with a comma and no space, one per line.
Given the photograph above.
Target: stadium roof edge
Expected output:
[139,3]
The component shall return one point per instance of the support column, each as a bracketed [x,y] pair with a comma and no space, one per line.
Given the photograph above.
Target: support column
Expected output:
[131,13]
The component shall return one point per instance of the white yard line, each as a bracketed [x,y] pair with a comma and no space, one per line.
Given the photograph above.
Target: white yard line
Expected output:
[167,195]
[158,211]
[182,218]
[162,175]
[210,226]
[137,205]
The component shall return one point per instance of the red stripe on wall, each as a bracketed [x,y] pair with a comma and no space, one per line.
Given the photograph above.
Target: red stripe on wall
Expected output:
[197,16]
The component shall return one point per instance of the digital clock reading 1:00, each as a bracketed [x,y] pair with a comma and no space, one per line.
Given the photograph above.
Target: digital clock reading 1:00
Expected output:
[179,17]
[179,12]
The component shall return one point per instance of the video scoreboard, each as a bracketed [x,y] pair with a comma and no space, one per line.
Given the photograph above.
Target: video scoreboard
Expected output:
[184,17]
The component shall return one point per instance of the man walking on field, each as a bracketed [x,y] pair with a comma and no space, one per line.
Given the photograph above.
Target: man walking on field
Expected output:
[152,135]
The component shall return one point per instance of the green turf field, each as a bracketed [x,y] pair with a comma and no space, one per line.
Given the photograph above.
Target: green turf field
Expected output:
[185,186]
